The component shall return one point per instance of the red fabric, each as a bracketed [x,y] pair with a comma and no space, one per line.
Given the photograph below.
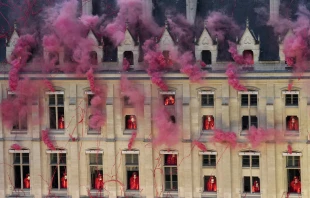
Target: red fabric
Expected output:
[27,182]
[61,123]
[134,183]
[255,187]
[169,100]
[131,123]
[208,123]
[295,186]
[293,124]
[99,182]
[171,159]
[211,185]
[64,182]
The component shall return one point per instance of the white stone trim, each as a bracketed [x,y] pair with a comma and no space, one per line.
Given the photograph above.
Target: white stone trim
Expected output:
[207,153]
[130,152]
[167,92]
[290,92]
[11,92]
[206,92]
[248,92]
[55,92]
[18,151]
[249,153]
[169,152]
[56,151]
[89,92]
[291,154]
[94,151]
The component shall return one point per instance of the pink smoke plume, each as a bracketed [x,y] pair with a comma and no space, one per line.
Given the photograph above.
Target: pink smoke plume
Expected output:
[126,64]
[239,59]
[168,132]
[290,85]
[233,80]
[91,79]
[89,21]
[200,145]
[19,57]
[289,149]
[225,137]
[136,97]
[256,136]
[219,25]
[47,141]
[49,85]
[132,139]
[16,147]
[51,43]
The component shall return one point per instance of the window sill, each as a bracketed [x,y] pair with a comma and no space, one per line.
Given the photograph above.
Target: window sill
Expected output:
[19,131]
[129,131]
[291,106]
[244,132]
[93,132]
[291,133]
[207,106]
[207,132]
[56,131]
[209,166]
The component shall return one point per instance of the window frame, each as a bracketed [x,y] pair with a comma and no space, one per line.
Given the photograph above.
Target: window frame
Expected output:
[247,95]
[210,157]
[250,122]
[57,166]
[207,54]
[56,106]
[12,96]
[98,166]
[89,95]
[131,167]
[21,166]
[252,179]
[292,170]
[291,97]
[207,93]
[170,168]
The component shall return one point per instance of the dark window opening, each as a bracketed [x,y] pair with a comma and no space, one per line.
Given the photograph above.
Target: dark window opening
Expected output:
[58,170]
[171,178]
[53,57]
[248,121]
[56,111]
[292,123]
[89,98]
[127,101]
[172,119]
[130,122]
[248,56]
[248,100]
[251,184]
[129,57]
[96,171]
[166,55]
[206,57]
[132,168]
[210,183]
[294,180]
[21,170]
[207,100]
[250,161]
[171,159]
[291,99]
[293,162]
[93,57]
[208,122]
[110,51]
[209,160]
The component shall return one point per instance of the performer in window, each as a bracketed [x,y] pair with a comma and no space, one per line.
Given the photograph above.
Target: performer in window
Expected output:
[134,181]
[255,187]
[131,122]
[169,100]
[211,185]
[295,186]
[171,159]
[292,124]
[208,123]
[99,182]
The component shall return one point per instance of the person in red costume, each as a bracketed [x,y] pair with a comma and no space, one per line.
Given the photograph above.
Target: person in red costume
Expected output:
[27,181]
[169,100]
[255,187]
[61,122]
[131,122]
[99,182]
[134,182]
[208,123]
[295,186]
[293,123]
[64,181]
[211,185]
[171,159]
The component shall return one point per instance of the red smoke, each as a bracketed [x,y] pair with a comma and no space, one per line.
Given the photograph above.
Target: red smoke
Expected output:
[47,141]
[132,139]
[223,137]
[233,80]
[200,145]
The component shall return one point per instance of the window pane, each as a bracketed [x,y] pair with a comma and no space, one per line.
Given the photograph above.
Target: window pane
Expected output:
[89,98]
[296,161]
[26,171]
[246,184]
[255,161]
[245,161]
[25,158]
[52,117]
[17,176]
[60,99]
[254,121]
[132,159]
[253,100]
[295,99]
[63,176]
[213,160]
[53,158]
[95,159]
[52,100]
[16,158]
[289,161]
[244,99]
[293,181]
[245,122]
[207,100]
[62,158]
[54,176]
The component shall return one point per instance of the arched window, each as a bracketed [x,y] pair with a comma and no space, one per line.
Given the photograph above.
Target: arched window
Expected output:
[206,57]
[129,57]
[248,55]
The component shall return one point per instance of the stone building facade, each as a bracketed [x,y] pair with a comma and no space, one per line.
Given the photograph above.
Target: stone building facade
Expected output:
[82,153]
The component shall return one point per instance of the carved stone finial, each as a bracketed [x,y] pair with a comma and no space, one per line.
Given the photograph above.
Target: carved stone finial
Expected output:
[205,24]
[236,39]
[138,39]
[258,38]
[247,22]
[127,24]
[216,38]
[195,39]
[15,25]
[166,24]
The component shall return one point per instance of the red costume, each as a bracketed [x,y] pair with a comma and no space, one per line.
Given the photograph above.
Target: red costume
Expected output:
[131,123]
[293,123]
[134,182]
[61,122]
[211,185]
[64,182]
[169,100]
[208,123]
[171,159]
[255,187]
[295,186]
[27,181]
[99,182]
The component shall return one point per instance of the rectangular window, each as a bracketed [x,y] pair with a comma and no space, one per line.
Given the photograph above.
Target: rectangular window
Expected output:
[132,171]
[251,184]
[293,174]
[207,100]
[56,111]
[171,173]
[209,160]
[58,163]
[248,100]
[291,99]
[19,124]
[96,170]
[90,96]
[248,121]
[21,170]
[250,161]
